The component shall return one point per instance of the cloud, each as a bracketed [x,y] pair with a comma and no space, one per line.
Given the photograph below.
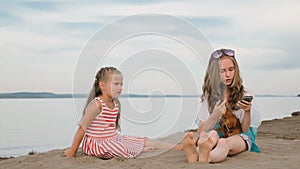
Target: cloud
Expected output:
[261,58]
[265,35]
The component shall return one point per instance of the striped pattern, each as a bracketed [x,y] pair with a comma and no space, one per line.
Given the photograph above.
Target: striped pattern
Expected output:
[102,140]
[105,124]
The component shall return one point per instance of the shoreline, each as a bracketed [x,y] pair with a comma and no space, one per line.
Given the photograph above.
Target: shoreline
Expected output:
[278,139]
[33,152]
[53,95]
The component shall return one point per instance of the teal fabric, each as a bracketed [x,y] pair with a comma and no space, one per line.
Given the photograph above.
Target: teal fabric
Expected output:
[252,134]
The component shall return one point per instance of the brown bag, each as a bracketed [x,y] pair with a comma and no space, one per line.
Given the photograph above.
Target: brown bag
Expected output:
[230,124]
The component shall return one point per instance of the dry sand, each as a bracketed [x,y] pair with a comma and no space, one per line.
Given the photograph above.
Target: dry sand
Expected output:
[278,139]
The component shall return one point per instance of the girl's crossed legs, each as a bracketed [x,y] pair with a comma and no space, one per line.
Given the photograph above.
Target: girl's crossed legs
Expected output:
[211,148]
[151,145]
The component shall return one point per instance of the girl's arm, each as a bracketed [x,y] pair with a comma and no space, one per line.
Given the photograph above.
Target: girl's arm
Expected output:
[208,125]
[71,152]
[92,111]
[213,119]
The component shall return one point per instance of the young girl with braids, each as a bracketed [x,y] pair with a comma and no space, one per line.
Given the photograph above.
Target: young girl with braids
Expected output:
[227,125]
[100,122]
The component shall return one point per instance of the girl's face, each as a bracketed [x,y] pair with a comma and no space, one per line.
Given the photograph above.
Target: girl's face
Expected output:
[113,86]
[227,71]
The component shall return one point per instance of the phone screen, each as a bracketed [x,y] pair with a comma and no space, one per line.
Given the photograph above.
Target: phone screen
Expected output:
[247,98]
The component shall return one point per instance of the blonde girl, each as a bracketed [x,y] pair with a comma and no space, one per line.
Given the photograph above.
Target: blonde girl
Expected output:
[100,122]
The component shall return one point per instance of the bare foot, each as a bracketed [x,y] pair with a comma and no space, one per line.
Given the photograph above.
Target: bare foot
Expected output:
[189,148]
[205,144]
[214,137]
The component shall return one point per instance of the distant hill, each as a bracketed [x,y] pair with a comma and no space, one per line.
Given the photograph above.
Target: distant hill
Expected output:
[272,95]
[128,95]
[154,96]
[40,95]
[54,95]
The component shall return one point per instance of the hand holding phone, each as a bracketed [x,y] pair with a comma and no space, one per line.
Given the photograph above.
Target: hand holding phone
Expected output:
[243,105]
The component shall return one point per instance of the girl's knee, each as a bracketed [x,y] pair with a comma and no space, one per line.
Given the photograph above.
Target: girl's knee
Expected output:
[146,139]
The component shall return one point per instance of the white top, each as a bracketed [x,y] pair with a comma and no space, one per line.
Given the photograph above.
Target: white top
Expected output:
[203,113]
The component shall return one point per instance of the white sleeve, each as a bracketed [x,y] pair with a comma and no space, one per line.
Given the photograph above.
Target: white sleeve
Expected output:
[203,113]
[255,114]
[239,114]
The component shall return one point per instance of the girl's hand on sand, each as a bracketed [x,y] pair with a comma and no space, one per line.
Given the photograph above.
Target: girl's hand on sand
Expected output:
[220,108]
[246,106]
[69,153]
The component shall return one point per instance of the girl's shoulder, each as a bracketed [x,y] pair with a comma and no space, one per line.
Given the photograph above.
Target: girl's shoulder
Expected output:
[95,105]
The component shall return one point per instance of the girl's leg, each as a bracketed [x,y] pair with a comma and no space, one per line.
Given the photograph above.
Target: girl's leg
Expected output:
[237,145]
[148,145]
[148,149]
[158,145]
[220,152]
[227,146]
[189,148]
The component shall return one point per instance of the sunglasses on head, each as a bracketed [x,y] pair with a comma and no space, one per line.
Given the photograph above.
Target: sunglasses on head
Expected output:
[218,53]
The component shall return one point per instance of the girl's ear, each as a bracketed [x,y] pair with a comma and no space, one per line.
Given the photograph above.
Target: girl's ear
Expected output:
[101,85]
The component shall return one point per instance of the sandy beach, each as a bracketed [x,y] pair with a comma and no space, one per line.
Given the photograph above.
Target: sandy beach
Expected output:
[279,140]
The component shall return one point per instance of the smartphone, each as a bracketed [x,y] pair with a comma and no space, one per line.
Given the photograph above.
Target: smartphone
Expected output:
[247,98]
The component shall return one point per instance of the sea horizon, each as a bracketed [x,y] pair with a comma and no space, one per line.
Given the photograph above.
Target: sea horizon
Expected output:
[47,94]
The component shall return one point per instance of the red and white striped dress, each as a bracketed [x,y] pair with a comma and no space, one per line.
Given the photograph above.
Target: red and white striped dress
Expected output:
[102,139]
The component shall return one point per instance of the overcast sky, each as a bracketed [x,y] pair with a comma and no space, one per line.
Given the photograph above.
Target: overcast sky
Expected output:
[41,41]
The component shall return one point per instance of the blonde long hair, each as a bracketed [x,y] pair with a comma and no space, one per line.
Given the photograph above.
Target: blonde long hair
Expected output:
[213,88]
[102,76]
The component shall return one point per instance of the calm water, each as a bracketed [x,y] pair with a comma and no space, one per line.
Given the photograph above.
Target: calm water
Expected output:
[45,124]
